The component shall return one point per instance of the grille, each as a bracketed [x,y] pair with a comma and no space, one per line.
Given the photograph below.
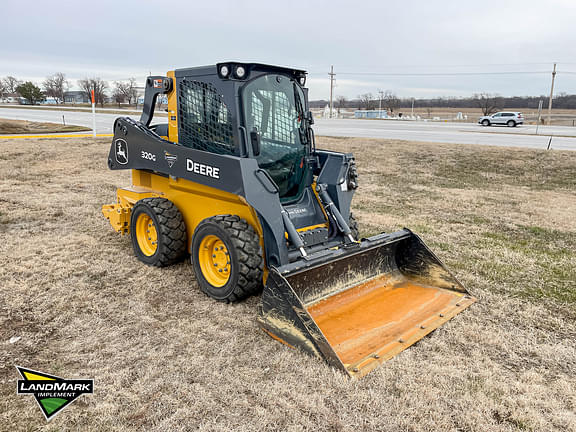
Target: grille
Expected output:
[205,121]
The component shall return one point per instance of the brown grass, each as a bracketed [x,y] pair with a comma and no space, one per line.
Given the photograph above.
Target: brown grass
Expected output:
[166,357]
[8,126]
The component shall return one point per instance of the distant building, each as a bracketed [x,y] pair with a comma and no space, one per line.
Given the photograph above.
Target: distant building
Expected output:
[373,114]
[11,98]
[76,97]
[49,101]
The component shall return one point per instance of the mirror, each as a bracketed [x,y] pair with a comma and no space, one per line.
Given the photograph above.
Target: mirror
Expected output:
[255,141]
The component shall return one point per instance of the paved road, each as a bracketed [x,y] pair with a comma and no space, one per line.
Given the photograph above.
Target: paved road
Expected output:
[458,133]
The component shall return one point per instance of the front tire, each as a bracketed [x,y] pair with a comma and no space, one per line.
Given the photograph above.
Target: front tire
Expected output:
[158,232]
[485,122]
[227,258]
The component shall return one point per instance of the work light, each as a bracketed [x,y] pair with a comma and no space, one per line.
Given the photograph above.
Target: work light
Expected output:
[224,71]
[240,72]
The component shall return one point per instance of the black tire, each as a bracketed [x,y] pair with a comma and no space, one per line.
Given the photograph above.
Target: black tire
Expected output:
[511,123]
[485,122]
[353,224]
[170,230]
[244,252]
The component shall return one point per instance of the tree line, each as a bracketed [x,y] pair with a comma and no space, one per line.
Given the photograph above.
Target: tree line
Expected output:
[56,86]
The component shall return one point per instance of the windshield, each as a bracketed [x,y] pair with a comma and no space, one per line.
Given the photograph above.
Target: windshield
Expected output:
[274,107]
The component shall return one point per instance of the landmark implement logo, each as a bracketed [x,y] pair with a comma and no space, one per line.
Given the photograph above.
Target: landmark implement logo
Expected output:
[52,393]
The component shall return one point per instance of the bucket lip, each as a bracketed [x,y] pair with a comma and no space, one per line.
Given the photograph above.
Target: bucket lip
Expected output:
[366,244]
[393,348]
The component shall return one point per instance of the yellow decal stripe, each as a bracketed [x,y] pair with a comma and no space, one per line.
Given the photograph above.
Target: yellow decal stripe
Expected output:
[33,376]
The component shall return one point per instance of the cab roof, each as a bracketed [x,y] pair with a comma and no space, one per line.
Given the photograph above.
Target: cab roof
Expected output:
[250,67]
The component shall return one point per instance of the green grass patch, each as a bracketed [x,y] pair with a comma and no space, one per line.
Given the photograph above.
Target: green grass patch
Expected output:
[538,262]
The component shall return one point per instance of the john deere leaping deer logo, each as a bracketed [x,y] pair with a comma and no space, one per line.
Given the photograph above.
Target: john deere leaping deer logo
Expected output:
[121,151]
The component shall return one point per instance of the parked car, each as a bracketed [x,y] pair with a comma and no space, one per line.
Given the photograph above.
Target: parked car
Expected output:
[508,118]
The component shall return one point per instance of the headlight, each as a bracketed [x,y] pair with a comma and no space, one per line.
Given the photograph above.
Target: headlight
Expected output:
[240,72]
[302,80]
[224,71]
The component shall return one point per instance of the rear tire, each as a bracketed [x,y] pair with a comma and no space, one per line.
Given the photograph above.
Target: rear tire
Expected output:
[158,232]
[485,122]
[227,258]
[511,123]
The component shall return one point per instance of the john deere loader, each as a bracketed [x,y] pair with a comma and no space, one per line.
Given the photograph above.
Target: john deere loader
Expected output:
[233,179]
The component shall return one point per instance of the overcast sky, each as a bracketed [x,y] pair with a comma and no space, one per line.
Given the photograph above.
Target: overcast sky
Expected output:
[366,41]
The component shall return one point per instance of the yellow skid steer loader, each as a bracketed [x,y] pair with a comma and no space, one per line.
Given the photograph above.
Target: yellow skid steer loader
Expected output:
[234,180]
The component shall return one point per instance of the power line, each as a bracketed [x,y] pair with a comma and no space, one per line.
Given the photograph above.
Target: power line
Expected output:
[442,73]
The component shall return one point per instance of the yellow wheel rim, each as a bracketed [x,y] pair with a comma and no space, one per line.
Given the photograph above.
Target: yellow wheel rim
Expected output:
[214,261]
[146,234]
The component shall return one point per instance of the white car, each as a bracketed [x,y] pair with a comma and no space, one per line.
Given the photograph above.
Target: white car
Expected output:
[508,118]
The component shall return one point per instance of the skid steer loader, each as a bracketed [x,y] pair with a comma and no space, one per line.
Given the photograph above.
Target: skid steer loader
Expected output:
[234,179]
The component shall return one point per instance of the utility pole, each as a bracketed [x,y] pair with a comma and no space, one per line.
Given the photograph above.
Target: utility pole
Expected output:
[380,95]
[412,115]
[332,75]
[93,114]
[551,94]
[539,115]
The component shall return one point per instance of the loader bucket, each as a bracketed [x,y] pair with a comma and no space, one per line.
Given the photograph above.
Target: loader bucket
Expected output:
[359,306]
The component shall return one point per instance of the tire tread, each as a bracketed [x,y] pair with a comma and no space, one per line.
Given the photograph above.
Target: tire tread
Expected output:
[249,253]
[171,227]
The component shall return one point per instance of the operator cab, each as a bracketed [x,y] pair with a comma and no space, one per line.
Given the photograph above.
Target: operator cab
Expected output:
[247,110]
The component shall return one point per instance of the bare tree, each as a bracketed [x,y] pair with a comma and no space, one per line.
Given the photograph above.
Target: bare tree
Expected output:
[118,96]
[11,84]
[3,91]
[391,101]
[488,103]
[119,92]
[128,89]
[341,102]
[367,101]
[55,86]
[99,86]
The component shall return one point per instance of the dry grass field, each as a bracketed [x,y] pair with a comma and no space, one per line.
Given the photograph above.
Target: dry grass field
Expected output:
[165,357]
[9,126]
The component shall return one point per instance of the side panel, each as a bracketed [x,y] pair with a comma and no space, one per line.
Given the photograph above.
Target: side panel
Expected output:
[196,202]
[338,171]
[136,147]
